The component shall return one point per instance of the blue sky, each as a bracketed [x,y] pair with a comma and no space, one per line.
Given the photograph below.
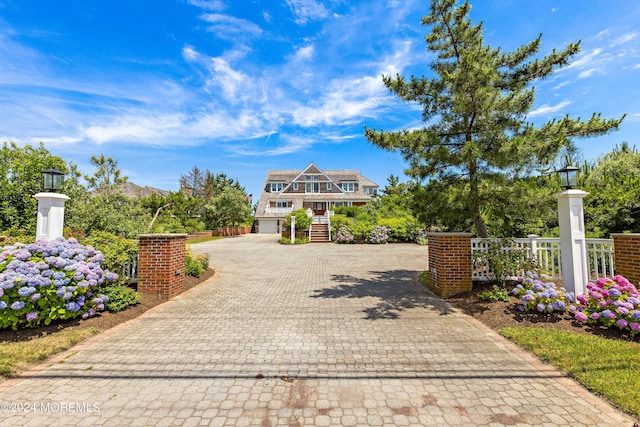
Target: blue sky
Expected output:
[243,86]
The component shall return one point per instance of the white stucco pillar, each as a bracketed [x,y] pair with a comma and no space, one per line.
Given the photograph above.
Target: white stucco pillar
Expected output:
[293,229]
[573,244]
[50,215]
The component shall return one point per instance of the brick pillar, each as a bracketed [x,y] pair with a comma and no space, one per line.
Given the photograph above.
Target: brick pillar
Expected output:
[627,256]
[449,263]
[161,262]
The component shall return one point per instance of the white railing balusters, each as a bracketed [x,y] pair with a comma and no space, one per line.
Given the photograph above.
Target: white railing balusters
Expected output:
[600,254]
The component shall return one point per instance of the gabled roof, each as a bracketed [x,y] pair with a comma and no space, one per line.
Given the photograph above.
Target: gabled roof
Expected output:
[311,169]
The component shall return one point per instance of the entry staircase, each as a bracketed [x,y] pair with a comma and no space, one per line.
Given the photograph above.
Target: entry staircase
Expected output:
[320,229]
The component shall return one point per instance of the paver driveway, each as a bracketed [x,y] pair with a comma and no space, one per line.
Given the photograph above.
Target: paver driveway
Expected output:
[316,334]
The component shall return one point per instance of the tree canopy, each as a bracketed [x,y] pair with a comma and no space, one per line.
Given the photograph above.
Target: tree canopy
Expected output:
[475,104]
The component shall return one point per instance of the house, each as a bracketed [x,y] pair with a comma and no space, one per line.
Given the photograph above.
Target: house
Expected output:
[313,189]
[133,191]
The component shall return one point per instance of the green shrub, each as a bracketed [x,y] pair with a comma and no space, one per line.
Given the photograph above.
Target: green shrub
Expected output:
[496,293]
[303,221]
[348,211]
[120,297]
[117,251]
[195,265]
[299,240]
[401,229]
[505,260]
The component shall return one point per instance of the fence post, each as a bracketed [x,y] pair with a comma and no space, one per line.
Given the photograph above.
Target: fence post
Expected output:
[573,245]
[533,246]
[450,264]
[161,264]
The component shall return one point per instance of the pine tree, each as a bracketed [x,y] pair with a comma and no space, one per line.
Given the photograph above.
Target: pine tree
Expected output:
[475,106]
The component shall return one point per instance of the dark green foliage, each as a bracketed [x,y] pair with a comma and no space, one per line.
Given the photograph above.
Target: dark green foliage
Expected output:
[613,183]
[496,293]
[475,104]
[20,178]
[117,251]
[120,297]
[303,221]
[505,260]
[195,265]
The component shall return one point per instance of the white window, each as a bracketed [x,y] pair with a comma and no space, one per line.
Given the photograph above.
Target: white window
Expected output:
[295,186]
[349,187]
[328,186]
[369,190]
[276,187]
[312,187]
[282,204]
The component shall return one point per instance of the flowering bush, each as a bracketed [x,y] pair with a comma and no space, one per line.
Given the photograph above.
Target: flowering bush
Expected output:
[610,302]
[539,296]
[45,281]
[344,235]
[380,234]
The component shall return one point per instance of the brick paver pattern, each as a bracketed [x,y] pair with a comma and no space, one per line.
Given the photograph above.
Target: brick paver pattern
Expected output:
[296,335]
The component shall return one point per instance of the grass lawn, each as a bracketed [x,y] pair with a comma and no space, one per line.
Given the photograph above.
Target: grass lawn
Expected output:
[204,239]
[607,367]
[16,357]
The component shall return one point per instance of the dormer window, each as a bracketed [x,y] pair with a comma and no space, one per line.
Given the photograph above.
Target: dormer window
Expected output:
[348,187]
[276,187]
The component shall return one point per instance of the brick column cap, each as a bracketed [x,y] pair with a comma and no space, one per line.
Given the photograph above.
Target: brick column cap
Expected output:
[163,235]
[444,233]
[625,234]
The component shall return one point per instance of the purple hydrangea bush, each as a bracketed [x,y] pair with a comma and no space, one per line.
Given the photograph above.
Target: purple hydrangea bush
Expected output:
[611,302]
[540,296]
[344,235]
[379,235]
[45,281]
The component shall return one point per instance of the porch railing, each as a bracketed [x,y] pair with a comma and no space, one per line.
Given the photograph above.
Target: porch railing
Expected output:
[547,253]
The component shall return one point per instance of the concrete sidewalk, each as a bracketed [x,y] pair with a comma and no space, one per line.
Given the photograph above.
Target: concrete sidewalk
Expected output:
[317,334]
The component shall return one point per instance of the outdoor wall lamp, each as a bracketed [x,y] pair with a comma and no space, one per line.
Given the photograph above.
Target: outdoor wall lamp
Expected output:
[568,177]
[52,180]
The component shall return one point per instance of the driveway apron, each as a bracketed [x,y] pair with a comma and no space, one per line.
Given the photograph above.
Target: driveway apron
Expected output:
[296,335]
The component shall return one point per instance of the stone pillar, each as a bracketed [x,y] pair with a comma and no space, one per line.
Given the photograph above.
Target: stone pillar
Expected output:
[627,256]
[573,243]
[50,220]
[449,263]
[161,264]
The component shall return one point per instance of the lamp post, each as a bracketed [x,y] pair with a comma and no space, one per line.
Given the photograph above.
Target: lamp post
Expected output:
[573,244]
[50,221]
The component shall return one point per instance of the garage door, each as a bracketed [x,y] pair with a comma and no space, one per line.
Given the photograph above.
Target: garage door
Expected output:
[268,227]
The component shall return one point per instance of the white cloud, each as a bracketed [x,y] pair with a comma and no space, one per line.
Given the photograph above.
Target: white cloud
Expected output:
[304,53]
[586,73]
[228,27]
[307,10]
[624,39]
[134,127]
[215,5]
[585,59]
[189,53]
[548,109]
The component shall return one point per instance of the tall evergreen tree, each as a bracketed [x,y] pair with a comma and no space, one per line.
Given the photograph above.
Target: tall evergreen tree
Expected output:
[475,107]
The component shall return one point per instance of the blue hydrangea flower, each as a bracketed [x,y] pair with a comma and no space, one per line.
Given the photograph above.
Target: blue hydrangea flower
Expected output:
[18,305]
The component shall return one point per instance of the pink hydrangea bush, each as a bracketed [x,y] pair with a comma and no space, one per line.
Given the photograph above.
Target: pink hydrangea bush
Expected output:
[45,281]
[612,302]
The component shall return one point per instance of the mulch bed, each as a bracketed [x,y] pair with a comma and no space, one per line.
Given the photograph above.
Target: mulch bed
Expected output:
[103,322]
[498,315]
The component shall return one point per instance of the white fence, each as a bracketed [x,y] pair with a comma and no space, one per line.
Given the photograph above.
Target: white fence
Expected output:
[546,251]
